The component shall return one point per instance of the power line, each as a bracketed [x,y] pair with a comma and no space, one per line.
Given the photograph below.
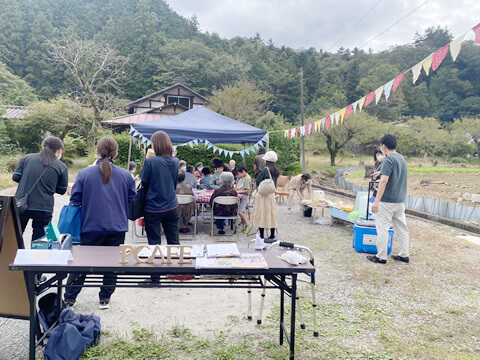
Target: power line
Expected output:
[358,22]
[395,23]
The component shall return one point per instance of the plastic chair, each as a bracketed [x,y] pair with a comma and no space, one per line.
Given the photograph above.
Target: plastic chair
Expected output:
[282,188]
[185,200]
[225,200]
[310,280]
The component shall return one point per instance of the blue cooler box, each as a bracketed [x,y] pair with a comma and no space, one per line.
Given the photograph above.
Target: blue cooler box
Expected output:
[365,239]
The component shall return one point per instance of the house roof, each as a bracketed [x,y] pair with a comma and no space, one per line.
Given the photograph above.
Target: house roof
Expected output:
[144,116]
[130,105]
[14,112]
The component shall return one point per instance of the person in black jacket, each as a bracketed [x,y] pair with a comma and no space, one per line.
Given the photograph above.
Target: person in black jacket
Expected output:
[54,180]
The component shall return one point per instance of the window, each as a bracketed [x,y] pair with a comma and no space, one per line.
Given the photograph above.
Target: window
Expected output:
[185,101]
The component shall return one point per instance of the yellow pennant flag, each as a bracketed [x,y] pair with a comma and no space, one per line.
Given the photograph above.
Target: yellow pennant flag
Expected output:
[427,64]
[342,114]
[360,103]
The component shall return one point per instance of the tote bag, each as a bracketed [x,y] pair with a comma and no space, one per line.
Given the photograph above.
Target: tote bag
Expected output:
[70,222]
[136,208]
[267,186]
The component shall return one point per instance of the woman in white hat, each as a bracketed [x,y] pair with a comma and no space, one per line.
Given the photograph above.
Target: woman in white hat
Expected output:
[265,208]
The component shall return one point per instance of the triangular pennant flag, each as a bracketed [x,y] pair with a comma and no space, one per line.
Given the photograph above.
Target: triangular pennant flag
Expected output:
[387,88]
[149,142]
[195,142]
[209,145]
[355,106]
[265,138]
[427,64]
[285,133]
[131,130]
[319,124]
[247,151]
[144,139]
[438,57]
[327,122]
[136,133]
[360,103]
[369,99]
[476,30]
[190,143]
[348,111]
[397,81]
[256,146]
[174,148]
[455,46]
[342,114]
[230,153]
[309,129]
[215,149]
[323,123]
[416,70]
[260,143]
[296,132]
[242,153]
[337,117]
[378,94]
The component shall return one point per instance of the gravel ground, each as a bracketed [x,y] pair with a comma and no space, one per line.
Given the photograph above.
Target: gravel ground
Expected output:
[363,307]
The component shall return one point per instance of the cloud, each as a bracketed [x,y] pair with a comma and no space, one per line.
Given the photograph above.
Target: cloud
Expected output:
[319,24]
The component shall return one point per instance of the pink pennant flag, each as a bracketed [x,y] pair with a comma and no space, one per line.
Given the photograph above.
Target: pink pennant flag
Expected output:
[289,131]
[327,122]
[397,81]
[314,126]
[348,111]
[476,30]
[369,99]
[438,57]
[296,132]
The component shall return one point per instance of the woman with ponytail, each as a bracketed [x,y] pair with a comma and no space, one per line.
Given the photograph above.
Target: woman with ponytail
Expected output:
[52,177]
[103,191]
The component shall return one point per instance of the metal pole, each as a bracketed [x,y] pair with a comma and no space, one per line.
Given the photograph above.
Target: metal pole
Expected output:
[129,150]
[301,119]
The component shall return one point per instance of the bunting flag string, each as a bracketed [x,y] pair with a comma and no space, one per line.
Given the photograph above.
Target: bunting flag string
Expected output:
[433,61]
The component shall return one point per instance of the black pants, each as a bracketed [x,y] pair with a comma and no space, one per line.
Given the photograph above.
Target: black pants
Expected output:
[154,223]
[109,281]
[153,226]
[40,219]
[262,233]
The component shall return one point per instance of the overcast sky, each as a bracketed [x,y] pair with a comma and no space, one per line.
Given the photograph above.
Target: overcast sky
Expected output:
[322,23]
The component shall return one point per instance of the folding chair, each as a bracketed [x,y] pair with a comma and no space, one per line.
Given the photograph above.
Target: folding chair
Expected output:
[185,200]
[225,200]
[311,281]
[282,188]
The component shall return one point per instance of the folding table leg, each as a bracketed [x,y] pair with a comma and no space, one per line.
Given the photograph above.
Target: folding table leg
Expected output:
[262,301]
[314,306]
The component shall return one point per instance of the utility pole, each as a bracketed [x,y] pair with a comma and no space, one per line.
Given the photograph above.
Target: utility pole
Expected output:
[301,120]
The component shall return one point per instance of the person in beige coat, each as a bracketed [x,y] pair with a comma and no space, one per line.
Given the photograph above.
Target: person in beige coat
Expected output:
[265,208]
[297,185]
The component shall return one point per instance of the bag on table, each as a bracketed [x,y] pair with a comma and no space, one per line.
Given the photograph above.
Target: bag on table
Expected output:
[70,222]
[136,208]
[267,186]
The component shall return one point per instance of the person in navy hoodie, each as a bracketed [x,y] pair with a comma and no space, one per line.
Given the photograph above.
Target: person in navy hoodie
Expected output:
[103,191]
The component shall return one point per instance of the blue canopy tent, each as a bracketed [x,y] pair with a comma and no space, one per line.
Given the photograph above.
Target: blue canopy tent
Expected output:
[200,124]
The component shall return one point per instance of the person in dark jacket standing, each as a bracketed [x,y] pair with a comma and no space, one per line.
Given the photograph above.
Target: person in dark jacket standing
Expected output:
[160,175]
[103,191]
[54,180]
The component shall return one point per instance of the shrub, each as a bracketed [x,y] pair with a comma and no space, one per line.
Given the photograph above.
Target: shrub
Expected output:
[458,160]
[122,158]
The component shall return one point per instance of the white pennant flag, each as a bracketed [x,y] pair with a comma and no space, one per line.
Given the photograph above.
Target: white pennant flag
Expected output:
[215,149]
[455,46]
[416,70]
[190,143]
[355,106]
[378,94]
[387,89]
[337,117]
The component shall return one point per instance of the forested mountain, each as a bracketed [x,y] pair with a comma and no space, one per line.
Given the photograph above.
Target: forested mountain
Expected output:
[161,45]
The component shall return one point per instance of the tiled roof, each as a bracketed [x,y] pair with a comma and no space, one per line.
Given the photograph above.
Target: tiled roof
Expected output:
[14,112]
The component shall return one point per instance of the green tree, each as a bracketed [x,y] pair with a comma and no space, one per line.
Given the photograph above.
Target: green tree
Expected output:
[241,101]
[469,128]
[14,90]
